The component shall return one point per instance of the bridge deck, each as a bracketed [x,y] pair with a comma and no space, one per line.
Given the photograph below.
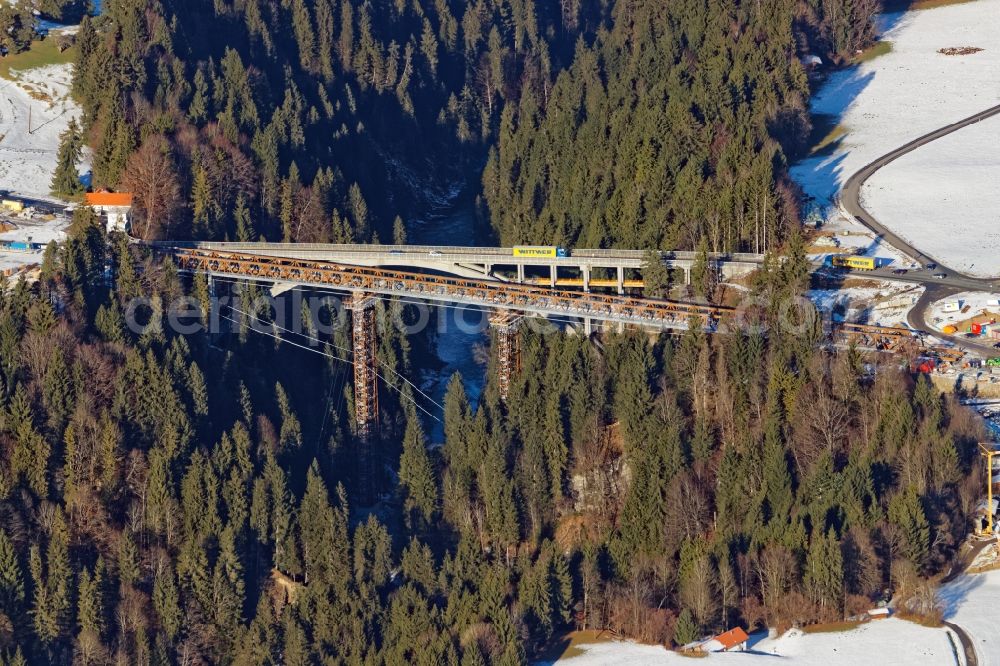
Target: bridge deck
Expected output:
[483,293]
[538,299]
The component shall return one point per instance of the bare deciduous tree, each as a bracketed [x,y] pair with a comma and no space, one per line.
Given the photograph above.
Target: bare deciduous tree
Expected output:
[698,590]
[775,569]
[151,177]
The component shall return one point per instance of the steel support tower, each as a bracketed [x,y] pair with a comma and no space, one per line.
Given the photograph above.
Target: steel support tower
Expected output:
[365,375]
[505,324]
[362,306]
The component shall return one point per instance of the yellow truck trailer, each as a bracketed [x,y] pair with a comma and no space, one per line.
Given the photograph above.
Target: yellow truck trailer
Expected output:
[540,251]
[856,263]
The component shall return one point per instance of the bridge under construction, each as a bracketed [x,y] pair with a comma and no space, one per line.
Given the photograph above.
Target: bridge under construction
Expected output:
[430,274]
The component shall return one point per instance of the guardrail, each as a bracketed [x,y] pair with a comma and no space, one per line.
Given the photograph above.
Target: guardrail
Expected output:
[447,251]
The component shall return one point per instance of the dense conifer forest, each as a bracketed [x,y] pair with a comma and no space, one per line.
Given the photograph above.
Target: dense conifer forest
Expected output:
[640,123]
[184,498]
[196,498]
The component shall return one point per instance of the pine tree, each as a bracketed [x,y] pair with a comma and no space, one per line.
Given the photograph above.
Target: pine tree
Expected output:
[228,591]
[90,606]
[166,600]
[907,513]
[562,585]
[59,573]
[556,451]
[11,579]
[398,231]
[57,391]
[416,477]
[110,322]
[290,436]
[685,631]
[456,413]
[323,535]
[655,276]
[66,180]
[796,269]
[534,592]
[824,575]
[703,272]
[198,108]
[198,390]
[128,560]
[777,479]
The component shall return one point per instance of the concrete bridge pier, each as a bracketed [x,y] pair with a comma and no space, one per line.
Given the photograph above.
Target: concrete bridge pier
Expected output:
[621,280]
[520,273]
[585,273]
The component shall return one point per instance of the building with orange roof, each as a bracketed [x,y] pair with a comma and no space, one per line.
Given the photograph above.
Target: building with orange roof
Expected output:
[116,207]
[734,640]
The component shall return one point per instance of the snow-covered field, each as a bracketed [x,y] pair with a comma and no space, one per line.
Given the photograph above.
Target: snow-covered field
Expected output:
[28,158]
[878,302]
[945,199]
[887,643]
[886,102]
[971,602]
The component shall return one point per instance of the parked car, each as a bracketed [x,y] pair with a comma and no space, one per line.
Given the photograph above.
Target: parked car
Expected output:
[899,271]
[435,253]
[931,266]
[940,276]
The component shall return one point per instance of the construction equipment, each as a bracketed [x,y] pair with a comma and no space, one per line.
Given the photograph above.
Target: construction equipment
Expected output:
[989,452]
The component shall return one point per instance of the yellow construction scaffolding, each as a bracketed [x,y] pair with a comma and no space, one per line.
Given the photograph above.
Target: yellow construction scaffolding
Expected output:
[989,452]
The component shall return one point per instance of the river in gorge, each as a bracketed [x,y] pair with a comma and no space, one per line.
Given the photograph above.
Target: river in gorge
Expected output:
[459,330]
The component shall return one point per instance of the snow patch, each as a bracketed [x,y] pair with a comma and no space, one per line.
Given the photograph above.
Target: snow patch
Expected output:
[884,303]
[961,307]
[28,158]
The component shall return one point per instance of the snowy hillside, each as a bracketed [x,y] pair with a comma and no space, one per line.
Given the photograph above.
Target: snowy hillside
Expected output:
[896,642]
[912,90]
[944,198]
[971,602]
[28,156]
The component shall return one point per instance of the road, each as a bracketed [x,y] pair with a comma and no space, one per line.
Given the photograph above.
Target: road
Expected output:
[963,562]
[850,195]
[951,281]
[971,658]
[941,281]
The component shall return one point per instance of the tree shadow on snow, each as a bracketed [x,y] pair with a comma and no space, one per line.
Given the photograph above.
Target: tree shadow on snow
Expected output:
[956,592]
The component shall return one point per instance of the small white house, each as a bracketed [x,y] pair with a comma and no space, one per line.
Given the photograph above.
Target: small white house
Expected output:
[116,207]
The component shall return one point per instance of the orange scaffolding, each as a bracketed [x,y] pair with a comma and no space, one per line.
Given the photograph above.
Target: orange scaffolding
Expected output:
[362,307]
[505,324]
